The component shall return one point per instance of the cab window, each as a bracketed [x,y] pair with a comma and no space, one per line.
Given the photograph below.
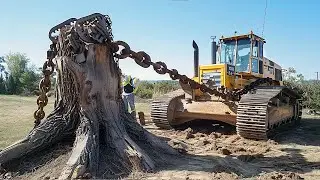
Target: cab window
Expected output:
[243,55]
[255,49]
[255,65]
[270,69]
[260,49]
[278,75]
[228,52]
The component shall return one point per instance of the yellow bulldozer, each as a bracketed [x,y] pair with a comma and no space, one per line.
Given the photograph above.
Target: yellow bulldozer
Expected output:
[250,91]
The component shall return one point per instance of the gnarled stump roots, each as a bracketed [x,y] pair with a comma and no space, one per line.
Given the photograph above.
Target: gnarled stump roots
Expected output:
[108,141]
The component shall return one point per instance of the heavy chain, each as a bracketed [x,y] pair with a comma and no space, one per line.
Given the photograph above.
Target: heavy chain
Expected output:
[144,60]
[102,34]
[96,28]
[45,85]
[90,29]
[47,70]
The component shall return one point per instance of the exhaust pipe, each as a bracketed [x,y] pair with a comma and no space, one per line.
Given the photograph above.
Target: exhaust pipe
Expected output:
[213,50]
[195,58]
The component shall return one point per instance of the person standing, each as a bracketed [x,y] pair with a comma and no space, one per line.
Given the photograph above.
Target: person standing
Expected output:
[129,89]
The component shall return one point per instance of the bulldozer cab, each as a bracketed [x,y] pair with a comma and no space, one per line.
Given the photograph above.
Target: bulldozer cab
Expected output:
[244,52]
[236,62]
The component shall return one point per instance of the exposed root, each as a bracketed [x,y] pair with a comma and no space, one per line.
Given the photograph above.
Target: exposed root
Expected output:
[91,151]
[109,142]
[78,161]
[143,137]
[60,124]
[46,134]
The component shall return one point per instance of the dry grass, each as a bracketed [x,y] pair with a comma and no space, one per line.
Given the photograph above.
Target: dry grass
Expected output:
[16,116]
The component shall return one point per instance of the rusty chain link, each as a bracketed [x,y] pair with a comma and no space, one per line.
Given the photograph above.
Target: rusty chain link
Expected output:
[44,85]
[96,28]
[47,70]
[144,60]
[89,29]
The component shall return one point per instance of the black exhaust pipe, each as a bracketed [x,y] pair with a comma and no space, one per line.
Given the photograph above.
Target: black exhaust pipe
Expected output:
[195,58]
[213,50]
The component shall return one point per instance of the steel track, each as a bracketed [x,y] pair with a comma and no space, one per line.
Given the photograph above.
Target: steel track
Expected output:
[160,108]
[252,114]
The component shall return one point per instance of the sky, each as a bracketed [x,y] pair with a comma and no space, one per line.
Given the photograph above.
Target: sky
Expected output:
[165,29]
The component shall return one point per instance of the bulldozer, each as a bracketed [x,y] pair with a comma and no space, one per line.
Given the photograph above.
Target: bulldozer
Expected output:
[238,65]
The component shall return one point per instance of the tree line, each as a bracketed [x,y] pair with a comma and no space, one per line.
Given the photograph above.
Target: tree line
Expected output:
[310,89]
[19,77]
[150,89]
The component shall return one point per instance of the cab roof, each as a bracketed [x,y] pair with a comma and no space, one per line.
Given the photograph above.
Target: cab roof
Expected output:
[244,36]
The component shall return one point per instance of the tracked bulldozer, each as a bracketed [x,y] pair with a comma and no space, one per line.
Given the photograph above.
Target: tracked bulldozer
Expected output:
[248,91]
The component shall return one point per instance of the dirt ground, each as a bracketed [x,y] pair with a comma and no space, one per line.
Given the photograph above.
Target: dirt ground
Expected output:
[216,152]
[212,151]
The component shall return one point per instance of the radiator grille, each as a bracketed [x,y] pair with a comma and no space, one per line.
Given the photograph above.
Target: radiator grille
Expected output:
[212,79]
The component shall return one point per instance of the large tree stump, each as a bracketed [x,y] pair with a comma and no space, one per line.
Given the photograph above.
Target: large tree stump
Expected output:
[109,142]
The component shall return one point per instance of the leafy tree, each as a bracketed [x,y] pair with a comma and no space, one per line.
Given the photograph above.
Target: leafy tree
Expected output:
[12,87]
[310,88]
[29,81]
[22,78]
[2,85]
[291,77]
[2,68]
[145,90]
[163,87]
[2,79]
[17,63]
[148,89]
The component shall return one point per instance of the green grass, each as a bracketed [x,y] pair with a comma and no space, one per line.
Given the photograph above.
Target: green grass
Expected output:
[16,116]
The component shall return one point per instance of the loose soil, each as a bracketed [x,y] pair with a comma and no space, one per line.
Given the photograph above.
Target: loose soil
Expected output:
[210,151]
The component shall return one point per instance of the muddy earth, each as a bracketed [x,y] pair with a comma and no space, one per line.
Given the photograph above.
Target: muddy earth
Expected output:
[211,151]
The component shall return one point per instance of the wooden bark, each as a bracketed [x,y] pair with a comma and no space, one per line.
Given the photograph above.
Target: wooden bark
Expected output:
[108,140]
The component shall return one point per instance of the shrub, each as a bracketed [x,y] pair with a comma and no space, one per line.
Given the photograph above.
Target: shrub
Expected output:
[149,89]
[310,89]
[145,90]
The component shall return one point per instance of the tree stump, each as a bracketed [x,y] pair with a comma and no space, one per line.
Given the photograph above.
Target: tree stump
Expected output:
[109,142]
[141,118]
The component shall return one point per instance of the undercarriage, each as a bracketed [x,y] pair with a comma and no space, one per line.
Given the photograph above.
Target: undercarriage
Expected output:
[258,112]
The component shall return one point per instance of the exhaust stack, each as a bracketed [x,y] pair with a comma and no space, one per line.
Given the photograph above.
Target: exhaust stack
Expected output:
[213,50]
[195,58]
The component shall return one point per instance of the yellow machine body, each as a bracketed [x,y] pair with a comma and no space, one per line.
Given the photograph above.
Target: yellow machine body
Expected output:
[226,74]
[236,62]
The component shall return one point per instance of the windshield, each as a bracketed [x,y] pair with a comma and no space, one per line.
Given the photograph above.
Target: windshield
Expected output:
[242,63]
[228,52]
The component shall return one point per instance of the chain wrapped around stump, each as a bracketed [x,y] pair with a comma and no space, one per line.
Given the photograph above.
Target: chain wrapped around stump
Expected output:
[45,85]
[144,60]
[96,28]
[47,70]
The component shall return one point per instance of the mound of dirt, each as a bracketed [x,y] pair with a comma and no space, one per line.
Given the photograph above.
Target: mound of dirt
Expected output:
[183,175]
[197,142]
[278,175]
[225,155]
